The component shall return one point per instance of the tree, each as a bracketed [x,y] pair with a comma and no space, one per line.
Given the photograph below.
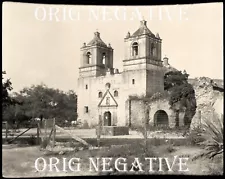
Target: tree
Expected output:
[41,101]
[10,104]
[6,88]
[182,94]
[174,79]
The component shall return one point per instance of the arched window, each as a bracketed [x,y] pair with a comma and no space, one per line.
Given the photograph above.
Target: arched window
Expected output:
[107,85]
[116,93]
[153,50]
[103,58]
[88,58]
[134,49]
[86,109]
[133,81]
[100,94]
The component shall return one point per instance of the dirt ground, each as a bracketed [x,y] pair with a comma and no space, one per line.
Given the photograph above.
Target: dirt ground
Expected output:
[19,161]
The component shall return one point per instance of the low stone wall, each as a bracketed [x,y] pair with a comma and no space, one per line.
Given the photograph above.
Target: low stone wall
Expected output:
[164,105]
[114,130]
[135,112]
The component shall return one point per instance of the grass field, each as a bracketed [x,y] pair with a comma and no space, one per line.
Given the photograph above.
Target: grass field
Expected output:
[18,161]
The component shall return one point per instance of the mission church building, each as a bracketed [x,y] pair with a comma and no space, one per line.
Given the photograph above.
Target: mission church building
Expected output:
[103,91]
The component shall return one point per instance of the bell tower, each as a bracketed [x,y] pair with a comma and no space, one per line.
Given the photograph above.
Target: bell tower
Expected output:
[142,63]
[96,57]
[143,46]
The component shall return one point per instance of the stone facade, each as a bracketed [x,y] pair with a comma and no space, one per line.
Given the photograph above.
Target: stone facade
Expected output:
[161,110]
[103,91]
[209,101]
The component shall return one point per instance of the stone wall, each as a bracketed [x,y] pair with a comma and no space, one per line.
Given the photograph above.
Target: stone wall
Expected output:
[137,112]
[163,104]
[136,109]
[206,98]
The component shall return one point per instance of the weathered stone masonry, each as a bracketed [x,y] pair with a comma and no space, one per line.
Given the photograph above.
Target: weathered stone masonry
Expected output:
[103,91]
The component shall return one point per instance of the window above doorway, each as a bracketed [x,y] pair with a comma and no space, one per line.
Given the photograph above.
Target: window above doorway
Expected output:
[86,109]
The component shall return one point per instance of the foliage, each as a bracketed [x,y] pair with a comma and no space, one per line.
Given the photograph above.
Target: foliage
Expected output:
[195,136]
[182,94]
[149,99]
[41,101]
[170,148]
[136,97]
[6,88]
[174,78]
[213,138]
[158,96]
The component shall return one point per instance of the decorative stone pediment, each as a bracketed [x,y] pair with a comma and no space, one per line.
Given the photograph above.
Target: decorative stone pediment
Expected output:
[108,100]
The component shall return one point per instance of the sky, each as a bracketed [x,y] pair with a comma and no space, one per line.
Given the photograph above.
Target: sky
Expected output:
[41,43]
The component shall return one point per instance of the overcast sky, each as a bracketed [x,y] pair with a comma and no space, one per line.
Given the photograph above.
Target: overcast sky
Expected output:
[41,43]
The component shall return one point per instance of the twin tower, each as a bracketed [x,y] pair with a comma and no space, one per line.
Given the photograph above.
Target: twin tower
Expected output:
[142,60]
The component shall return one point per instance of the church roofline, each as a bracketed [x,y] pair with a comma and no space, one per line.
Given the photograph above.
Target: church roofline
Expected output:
[97,41]
[143,36]
[143,30]
[95,46]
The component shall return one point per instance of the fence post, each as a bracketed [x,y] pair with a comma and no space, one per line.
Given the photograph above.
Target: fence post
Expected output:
[45,135]
[145,128]
[99,131]
[54,133]
[6,130]
[38,133]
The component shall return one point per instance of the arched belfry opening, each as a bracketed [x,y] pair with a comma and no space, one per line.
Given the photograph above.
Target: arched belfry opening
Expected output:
[88,58]
[161,118]
[103,62]
[153,50]
[134,49]
[107,119]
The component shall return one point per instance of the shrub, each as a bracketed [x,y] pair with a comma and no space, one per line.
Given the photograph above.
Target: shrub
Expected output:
[32,140]
[170,148]
[213,138]
[85,125]
[195,136]
[156,141]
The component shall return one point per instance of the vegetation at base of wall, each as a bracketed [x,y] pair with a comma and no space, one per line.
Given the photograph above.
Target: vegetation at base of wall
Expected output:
[195,136]
[85,125]
[148,99]
[163,129]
